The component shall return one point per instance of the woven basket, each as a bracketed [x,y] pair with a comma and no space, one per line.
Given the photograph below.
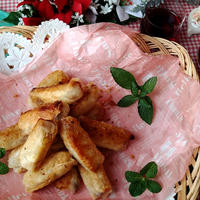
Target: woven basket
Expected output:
[188,188]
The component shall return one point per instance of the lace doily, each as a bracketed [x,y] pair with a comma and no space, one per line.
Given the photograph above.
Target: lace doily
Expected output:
[16,51]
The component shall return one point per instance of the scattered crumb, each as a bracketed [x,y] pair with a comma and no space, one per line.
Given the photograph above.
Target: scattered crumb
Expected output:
[16,95]
[132,156]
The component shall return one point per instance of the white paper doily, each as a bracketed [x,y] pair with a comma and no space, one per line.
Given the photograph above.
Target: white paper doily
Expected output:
[17,51]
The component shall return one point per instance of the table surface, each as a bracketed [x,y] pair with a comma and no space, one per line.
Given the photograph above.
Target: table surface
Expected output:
[191,44]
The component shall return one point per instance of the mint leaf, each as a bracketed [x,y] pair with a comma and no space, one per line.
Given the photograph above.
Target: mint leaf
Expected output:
[137,188]
[153,186]
[2,152]
[133,176]
[149,85]
[3,168]
[145,109]
[150,170]
[127,101]
[122,77]
[134,89]
[13,18]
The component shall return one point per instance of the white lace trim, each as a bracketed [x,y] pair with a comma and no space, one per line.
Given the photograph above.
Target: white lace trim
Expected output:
[17,51]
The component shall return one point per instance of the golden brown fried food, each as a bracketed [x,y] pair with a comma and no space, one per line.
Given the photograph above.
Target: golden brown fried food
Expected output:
[97,182]
[55,166]
[105,135]
[65,110]
[38,143]
[67,92]
[87,102]
[69,181]
[54,78]
[14,160]
[97,112]
[28,119]
[12,137]
[79,144]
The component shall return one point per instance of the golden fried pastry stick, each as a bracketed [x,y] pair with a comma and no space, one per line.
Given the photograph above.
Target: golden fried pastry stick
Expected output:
[53,167]
[28,119]
[70,181]
[54,78]
[38,143]
[79,144]
[12,137]
[97,112]
[97,182]
[87,102]
[67,92]
[105,135]
[14,160]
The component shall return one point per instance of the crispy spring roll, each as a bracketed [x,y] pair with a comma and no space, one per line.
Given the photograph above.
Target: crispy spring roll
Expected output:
[54,78]
[55,166]
[97,112]
[28,119]
[14,160]
[105,135]
[67,92]
[87,102]
[69,181]
[79,144]
[38,143]
[97,182]
[12,137]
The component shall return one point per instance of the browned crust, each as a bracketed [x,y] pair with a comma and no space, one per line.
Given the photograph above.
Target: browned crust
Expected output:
[79,144]
[105,135]
[97,182]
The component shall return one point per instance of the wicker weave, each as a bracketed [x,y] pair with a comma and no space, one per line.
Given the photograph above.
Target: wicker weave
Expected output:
[188,188]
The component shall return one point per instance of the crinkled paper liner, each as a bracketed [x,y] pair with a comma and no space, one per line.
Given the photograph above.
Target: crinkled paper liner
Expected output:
[88,52]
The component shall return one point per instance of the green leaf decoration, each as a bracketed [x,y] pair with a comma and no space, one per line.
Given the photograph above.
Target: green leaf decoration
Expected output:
[150,170]
[153,186]
[137,188]
[145,109]
[127,101]
[133,176]
[13,18]
[134,89]
[149,85]
[3,168]
[122,77]
[2,152]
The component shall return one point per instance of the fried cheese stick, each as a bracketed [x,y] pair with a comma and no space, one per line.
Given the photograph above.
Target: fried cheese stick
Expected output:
[67,92]
[79,144]
[105,135]
[69,181]
[53,167]
[37,144]
[54,78]
[28,119]
[14,160]
[87,102]
[97,182]
[12,137]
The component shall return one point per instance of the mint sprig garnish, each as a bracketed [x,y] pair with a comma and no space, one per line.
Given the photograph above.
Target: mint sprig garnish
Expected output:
[138,93]
[3,167]
[139,182]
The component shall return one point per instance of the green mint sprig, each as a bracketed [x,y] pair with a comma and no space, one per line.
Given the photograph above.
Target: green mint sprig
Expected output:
[3,167]
[141,181]
[138,93]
